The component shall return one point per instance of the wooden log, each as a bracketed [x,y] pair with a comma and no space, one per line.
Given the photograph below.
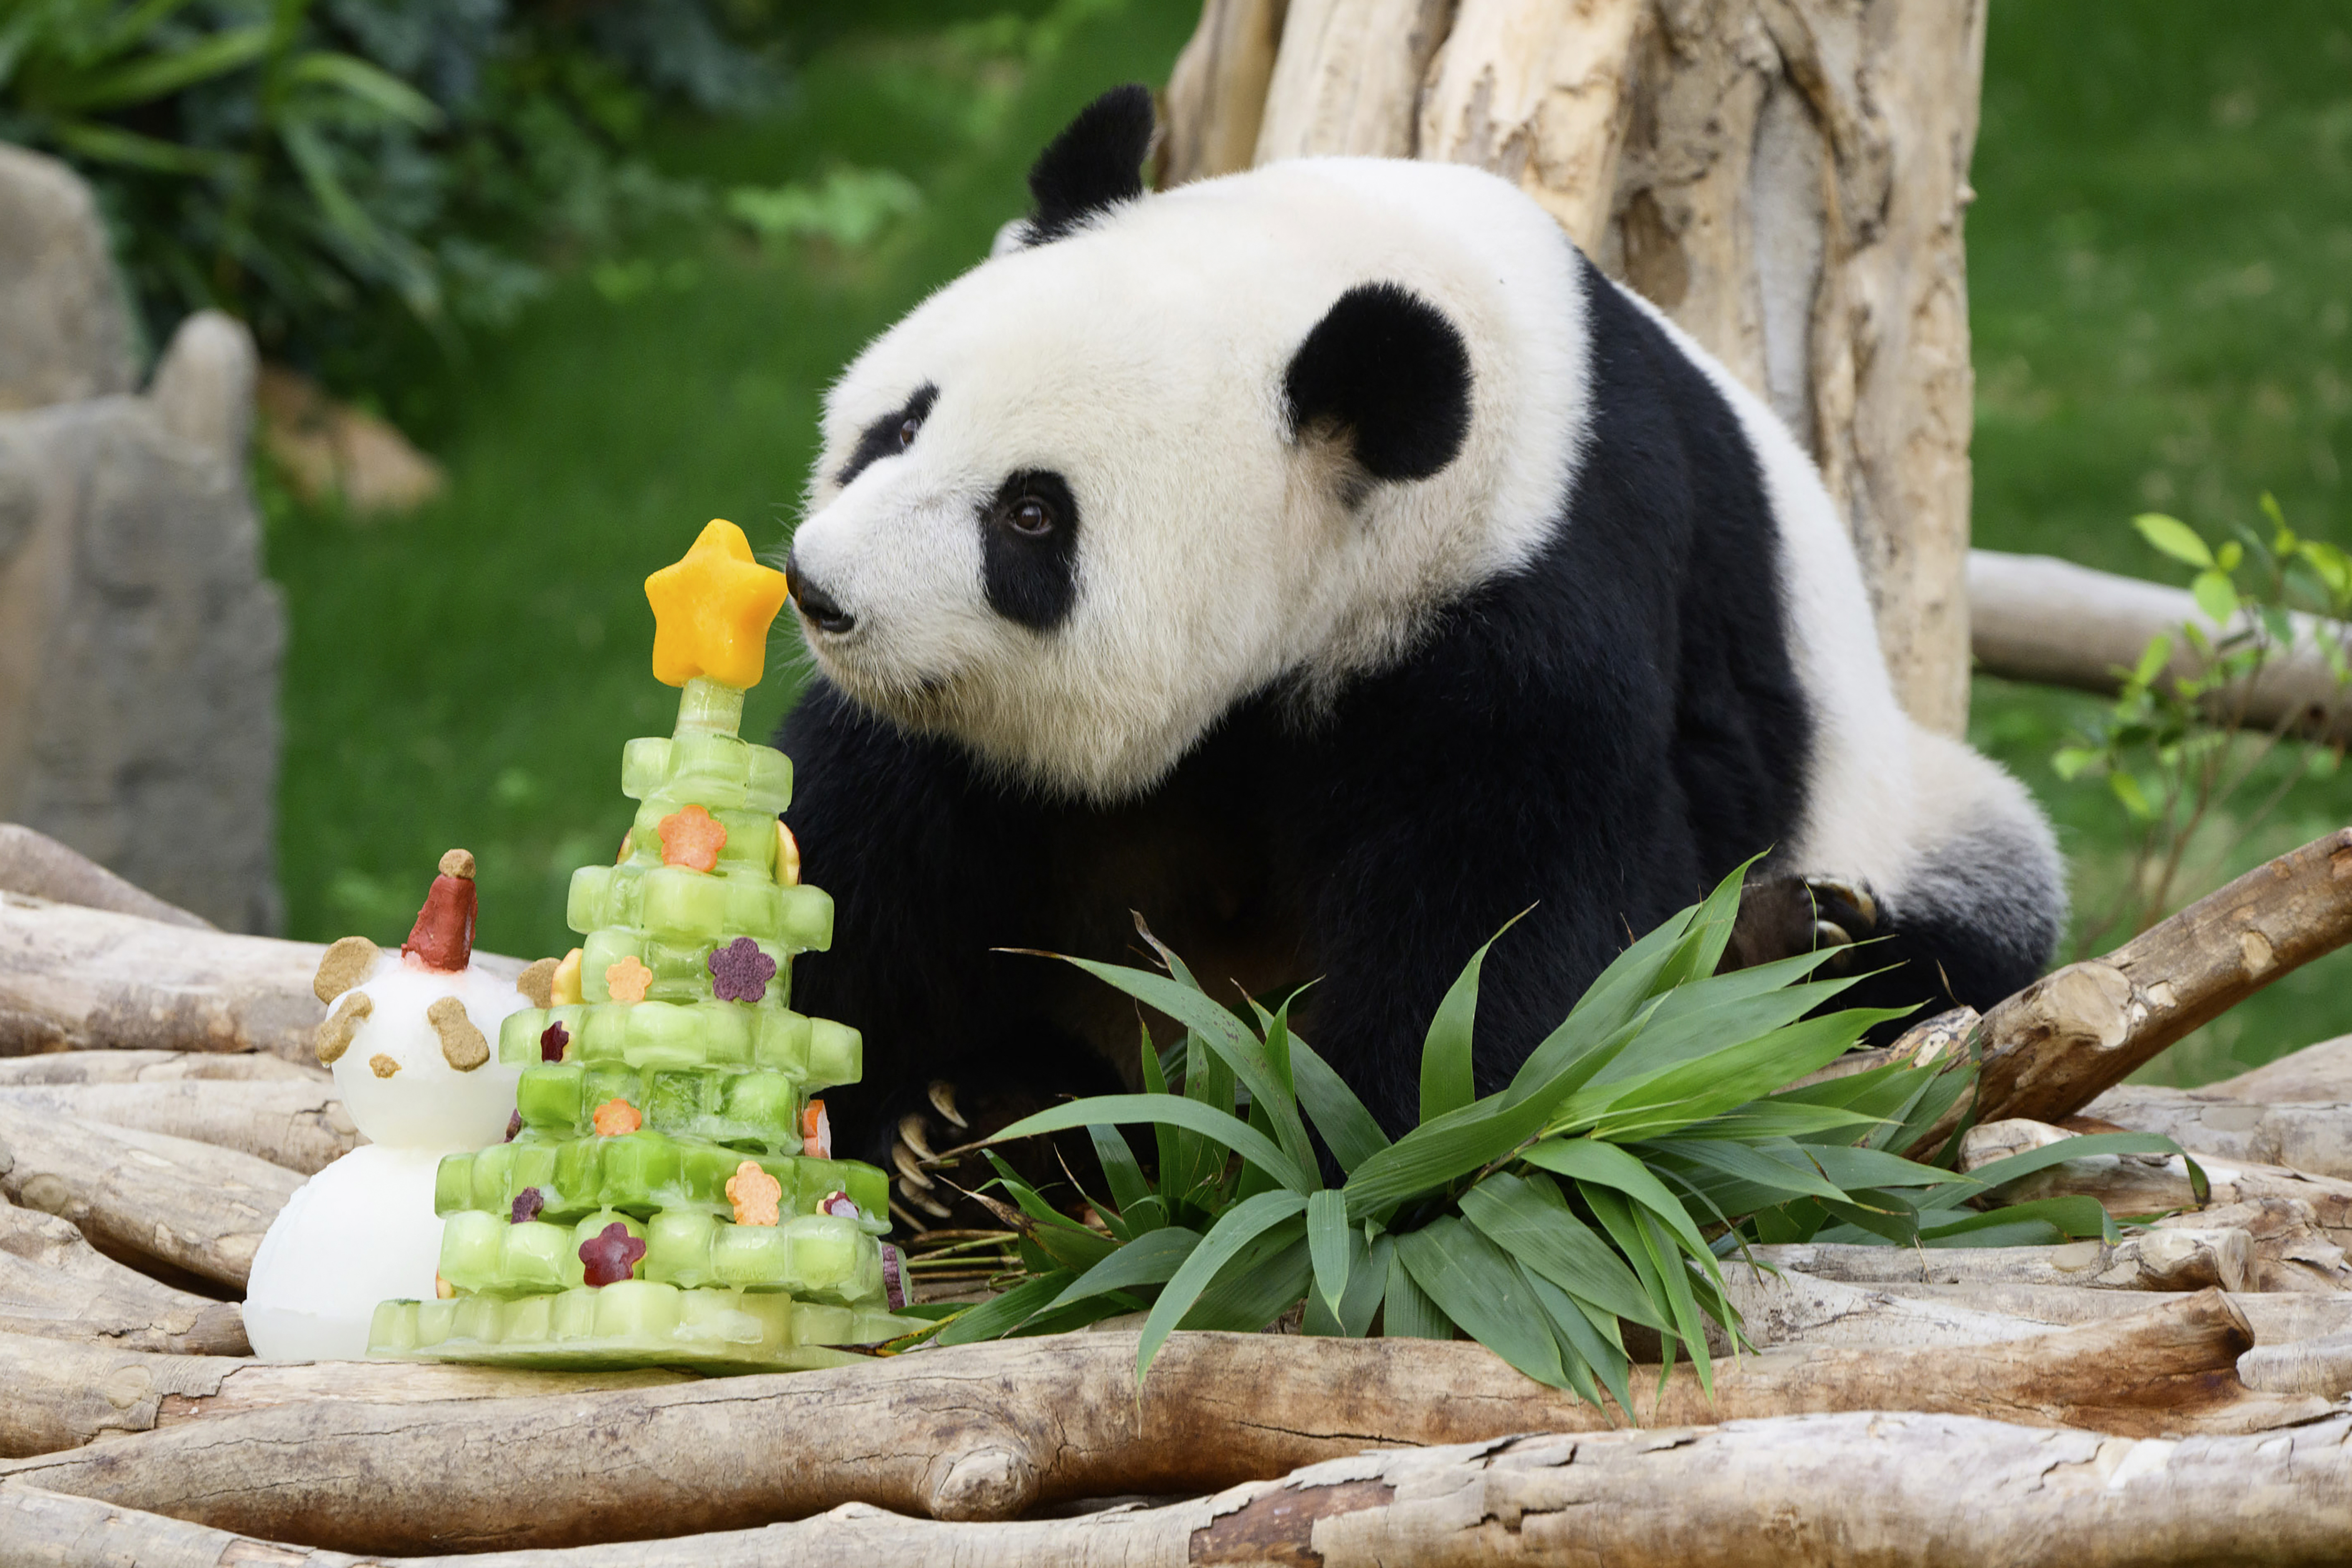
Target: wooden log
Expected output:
[992,1431]
[62,1068]
[2321,1366]
[1348,76]
[2313,1137]
[2052,622]
[2289,1252]
[2274,1319]
[298,1123]
[38,867]
[81,979]
[1850,1490]
[2176,1259]
[1216,93]
[2055,1046]
[2153,1183]
[54,1284]
[145,1195]
[2321,1072]
[63,1395]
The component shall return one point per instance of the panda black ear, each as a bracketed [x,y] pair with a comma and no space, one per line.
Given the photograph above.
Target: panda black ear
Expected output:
[1095,163]
[1386,370]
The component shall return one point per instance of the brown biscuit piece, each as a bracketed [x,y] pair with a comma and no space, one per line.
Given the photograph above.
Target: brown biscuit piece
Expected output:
[334,1036]
[457,863]
[344,965]
[383,1066]
[538,982]
[462,1045]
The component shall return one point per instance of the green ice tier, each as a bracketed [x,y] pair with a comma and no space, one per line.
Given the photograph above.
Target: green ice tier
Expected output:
[637,1323]
[814,1053]
[757,1113]
[816,1256]
[639,1172]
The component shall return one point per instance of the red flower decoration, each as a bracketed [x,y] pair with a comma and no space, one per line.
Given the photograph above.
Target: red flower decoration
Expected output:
[739,971]
[553,1040]
[527,1204]
[612,1254]
[514,1125]
[692,837]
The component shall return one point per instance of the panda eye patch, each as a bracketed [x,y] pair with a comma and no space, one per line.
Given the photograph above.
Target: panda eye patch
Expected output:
[891,435]
[1029,549]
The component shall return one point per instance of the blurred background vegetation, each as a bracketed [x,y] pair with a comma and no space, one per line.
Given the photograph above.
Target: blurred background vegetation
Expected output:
[601,259]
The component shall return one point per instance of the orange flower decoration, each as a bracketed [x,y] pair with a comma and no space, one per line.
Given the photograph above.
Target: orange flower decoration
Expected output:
[816,1131]
[616,1117]
[627,980]
[787,857]
[692,838]
[754,1194]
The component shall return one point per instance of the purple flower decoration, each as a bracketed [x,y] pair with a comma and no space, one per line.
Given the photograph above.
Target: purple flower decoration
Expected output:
[611,1255]
[739,971]
[514,1125]
[553,1040]
[527,1204]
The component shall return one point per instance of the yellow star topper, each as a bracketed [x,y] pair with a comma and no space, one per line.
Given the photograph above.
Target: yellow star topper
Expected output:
[712,610]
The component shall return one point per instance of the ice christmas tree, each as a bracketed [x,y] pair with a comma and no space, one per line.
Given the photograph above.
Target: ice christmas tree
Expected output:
[667,1192]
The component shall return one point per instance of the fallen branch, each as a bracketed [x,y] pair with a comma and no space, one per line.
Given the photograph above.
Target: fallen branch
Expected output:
[2177,1260]
[2321,1072]
[297,1123]
[63,1395]
[61,1068]
[2274,1319]
[2288,1250]
[2321,1366]
[992,1431]
[38,866]
[2032,617]
[83,979]
[188,1204]
[2052,1049]
[1856,1490]
[2127,1185]
[54,1284]
[2313,1137]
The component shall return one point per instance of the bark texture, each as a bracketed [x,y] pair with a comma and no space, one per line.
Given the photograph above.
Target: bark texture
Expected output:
[992,1431]
[1216,94]
[1860,1490]
[2175,1260]
[2316,1138]
[1785,178]
[188,1204]
[55,1284]
[39,867]
[63,1069]
[299,1123]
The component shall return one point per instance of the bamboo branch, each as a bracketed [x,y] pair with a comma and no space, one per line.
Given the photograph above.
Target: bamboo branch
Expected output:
[298,1123]
[1857,1491]
[188,1204]
[2052,1048]
[54,1284]
[991,1431]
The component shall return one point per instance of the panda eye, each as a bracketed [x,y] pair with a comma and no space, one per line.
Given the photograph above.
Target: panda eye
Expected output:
[1032,517]
[906,429]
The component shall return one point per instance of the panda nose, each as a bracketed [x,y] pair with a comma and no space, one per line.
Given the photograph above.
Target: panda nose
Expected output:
[814,602]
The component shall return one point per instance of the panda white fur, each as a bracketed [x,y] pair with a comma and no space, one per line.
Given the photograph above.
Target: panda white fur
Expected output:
[1328,563]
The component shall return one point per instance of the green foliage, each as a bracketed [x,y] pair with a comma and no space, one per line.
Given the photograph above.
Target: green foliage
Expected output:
[306,163]
[2174,748]
[1648,1136]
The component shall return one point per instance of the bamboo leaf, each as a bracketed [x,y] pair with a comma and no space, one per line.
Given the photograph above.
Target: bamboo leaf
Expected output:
[161,74]
[1175,1111]
[1264,1280]
[1851,1168]
[1446,1082]
[1409,1313]
[1587,1160]
[1473,1282]
[1334,1244]
[1547,1237]
[1348,1129]
[1001,1315]
[1679,1296]
[1986,1178]
[378,89]
[1150,1259]
[1241,1224]
[2173,537]
[1581,1341]
[1127,1187]
[1367,1285]
[1751,1164]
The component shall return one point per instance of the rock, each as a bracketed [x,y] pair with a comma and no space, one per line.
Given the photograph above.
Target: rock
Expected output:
[66,331]
[329,448]
[140,650]
[202,390]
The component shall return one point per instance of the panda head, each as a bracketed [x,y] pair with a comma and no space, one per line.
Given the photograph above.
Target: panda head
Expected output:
[1160,455]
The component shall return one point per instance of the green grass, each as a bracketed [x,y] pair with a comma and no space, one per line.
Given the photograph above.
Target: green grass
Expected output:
[2159,274]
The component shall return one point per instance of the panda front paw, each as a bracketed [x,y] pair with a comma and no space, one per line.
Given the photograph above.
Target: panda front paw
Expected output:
[918,1194]
[1845,913]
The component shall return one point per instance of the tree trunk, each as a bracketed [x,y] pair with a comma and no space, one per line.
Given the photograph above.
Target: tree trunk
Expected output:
[1861,1490]
[994,1431]
[1785,178]
[54,1284]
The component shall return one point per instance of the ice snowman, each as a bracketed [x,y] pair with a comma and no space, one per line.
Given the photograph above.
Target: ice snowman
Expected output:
[409,1037]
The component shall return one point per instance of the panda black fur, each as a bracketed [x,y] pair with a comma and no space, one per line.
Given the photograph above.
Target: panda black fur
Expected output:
[1328,563]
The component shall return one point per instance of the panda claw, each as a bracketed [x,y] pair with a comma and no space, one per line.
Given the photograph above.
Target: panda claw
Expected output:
[914,1195]
[1829,933]
[910,1170]
[911,1134]
[941,1095]
[1854,895]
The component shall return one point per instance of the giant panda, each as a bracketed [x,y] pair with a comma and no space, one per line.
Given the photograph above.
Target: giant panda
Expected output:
[1328,562]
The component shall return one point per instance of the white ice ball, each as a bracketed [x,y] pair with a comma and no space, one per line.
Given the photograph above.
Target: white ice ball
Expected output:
[395,1081]
[360,1232]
